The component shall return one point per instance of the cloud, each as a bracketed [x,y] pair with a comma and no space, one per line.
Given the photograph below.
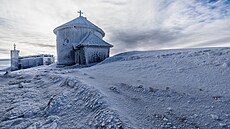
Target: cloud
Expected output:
[214,42]
[39,45]
[117,2]
[135,38]
[129,25]
[177,24]
[4,51]
[3,22]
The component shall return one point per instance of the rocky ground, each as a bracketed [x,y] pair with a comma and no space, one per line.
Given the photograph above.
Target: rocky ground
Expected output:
[177,89]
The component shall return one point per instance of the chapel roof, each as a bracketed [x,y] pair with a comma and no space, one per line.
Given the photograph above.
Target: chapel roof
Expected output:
[92,40]
[80,22]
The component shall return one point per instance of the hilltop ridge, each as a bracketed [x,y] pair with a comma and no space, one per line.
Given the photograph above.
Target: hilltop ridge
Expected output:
[183,88]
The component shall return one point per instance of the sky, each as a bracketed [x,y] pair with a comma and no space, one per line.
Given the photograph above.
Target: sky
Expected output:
[130,25]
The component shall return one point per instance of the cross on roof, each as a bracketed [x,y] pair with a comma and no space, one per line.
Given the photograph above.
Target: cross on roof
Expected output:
[14,46]
[80,12]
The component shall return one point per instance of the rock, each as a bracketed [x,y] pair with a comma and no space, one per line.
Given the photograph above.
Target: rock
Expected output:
[140,86]
[71,83]
[223,125]
[195,115]
[214,117]
[114,89]
[165,119]
[91,77]
[226,64]
[217,97]
[151,89]
[170,109]
[20,85]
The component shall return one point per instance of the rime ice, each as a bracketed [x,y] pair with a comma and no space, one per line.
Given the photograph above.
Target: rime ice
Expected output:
[80,42]
[24,62]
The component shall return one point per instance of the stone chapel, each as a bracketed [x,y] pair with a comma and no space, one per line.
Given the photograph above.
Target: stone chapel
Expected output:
[81,42]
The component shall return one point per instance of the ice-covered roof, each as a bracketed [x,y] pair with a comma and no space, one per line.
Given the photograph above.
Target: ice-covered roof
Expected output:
[92,40]
[80,22]
[36,56]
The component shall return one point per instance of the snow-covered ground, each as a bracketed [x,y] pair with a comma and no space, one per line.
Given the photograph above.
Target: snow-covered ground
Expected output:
[186,88]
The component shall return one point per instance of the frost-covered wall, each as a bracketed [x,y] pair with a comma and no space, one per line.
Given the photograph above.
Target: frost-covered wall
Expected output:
[48,60]
[66,38]
[80,42]
[31,62]
[14,59]
[96,54]
[24,62]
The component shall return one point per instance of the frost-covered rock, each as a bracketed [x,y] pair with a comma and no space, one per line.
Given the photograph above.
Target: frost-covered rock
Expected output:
[156,89]
[226,64]
[215,117]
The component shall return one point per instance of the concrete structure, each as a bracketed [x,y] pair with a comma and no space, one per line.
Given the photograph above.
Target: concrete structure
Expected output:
[80,42]
[25,62]
[14,56]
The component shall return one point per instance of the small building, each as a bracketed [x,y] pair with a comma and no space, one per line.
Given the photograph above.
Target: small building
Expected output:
[80,42]
[25,62]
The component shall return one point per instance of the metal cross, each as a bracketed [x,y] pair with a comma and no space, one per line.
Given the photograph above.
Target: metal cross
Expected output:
[80,12]
[14,46]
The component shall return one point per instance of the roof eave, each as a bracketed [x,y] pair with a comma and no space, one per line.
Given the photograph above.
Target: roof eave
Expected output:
[79,26]
[80,45]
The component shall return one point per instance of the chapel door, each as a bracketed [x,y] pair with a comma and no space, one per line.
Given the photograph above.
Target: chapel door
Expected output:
[77,57]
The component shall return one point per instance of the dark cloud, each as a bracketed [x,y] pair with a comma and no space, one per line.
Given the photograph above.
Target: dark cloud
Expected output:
[4,60]
[39,45]
[114,2]
[5,23]
[135,38]
[4,51]
[2,21]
